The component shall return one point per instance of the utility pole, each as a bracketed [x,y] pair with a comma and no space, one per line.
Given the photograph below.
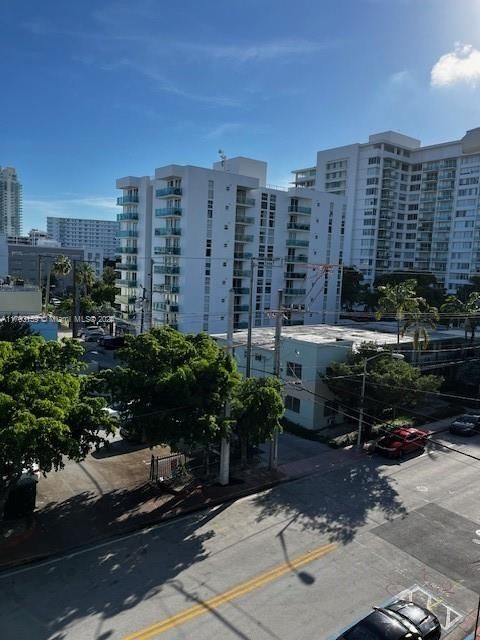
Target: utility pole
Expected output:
[250,322]
[142,315]
[224,478]
[276,372]
[150,300]
[75,302]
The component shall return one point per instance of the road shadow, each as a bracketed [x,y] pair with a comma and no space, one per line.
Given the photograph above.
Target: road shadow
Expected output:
[109,579]
[117,448]
[336,504]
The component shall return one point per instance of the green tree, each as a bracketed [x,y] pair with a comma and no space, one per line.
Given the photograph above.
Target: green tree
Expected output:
[465,311]
[257,408]
[109,276]
[86,277]
[12,329]
[389,383]
[398,300]
[46,415]
[427,286]
[353,291]
[61,267]
[173,387]
[465,290]
[102,294]
[418,322]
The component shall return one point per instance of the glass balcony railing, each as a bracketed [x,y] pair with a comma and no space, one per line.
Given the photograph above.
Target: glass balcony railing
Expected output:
[126,266]
[168,191]
[126,250]
[297,243]
[125,299]
[243,238]
[295,292]
[294,275]
[128,215]
[127,234]
[241,307]
[167,212]
[296,259]
[245,202]
[242,256]
[167,269]
[129,198]
[240,291]
[126,283]
[166,288]
[167,251]
[167,307]
[299,227]
[240,273]
[296,209]
[244,220]
[168,231]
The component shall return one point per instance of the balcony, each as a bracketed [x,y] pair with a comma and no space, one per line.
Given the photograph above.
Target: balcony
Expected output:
[125,299]
[168,212]
[240,273]
[168,231]
[245,202]
[295,292]
[243,238]
[126,266]
[294,275]
[241,291]
[167,269]
[129,198]
[241,325]
[299,227]
[242,256]
[167,251]
[296,259]
[167,307]
[168,191]
[128,215]
[130,250]
[244,220]
[296,209]
[241,307]
[126,283]
[296,243]
[165,288]
[127,234]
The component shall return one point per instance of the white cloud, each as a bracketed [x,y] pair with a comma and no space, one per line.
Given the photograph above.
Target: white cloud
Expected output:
[460,66]
[400,78]
[267,51]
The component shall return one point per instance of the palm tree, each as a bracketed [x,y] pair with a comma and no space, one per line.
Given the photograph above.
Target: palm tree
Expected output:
[86,277]
[419,320]
[61,267]
[468,311]
[398,299]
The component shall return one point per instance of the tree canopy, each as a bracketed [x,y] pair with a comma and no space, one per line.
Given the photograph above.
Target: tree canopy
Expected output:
[46,413]
[173,387]
[12,329]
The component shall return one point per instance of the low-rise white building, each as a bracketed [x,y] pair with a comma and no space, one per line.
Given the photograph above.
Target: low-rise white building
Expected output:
[20,301]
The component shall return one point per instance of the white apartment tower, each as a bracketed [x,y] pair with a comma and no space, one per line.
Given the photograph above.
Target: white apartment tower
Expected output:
[409,208]
[85,232]
[205,231]
[10,202]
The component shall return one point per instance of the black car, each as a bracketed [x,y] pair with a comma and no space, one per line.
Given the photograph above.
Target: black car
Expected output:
[400,620]
[112,342]
[467,425]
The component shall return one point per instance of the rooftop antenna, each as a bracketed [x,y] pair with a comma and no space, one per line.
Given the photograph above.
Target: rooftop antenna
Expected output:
[223,157]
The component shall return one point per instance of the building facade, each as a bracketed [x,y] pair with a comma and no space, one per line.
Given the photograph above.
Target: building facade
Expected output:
[409,208]
[31,264]
[97,236]
[189,235]
[10,202]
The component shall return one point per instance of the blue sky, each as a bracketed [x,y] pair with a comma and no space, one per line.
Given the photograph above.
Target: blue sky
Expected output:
[95,90]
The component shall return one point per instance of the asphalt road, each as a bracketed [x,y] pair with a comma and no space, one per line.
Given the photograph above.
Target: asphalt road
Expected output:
[301,561]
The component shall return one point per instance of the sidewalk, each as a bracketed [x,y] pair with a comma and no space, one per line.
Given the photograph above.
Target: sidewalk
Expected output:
[88,517]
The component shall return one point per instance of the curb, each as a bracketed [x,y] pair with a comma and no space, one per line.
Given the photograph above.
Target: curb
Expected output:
[170,515]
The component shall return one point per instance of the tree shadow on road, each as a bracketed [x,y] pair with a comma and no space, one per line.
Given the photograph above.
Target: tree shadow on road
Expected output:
[335,504]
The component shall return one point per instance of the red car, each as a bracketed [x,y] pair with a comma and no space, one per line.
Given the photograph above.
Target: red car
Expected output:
[401,441]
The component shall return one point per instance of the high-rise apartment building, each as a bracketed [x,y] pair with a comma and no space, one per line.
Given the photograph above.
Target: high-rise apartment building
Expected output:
[83,232]
[409,208]
[190,234]
[10,202]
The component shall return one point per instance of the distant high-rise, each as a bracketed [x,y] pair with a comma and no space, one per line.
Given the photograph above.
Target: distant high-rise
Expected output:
[10,202]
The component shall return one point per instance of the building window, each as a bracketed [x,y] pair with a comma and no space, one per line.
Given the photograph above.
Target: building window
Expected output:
[292,404]
[294,370]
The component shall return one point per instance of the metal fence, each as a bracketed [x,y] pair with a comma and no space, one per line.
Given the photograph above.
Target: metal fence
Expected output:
[163,468]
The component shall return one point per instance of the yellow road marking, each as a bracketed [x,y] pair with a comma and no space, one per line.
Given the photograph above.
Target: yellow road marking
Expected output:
[240,590]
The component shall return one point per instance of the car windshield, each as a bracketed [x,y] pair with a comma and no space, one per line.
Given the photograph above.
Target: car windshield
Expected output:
[376,626]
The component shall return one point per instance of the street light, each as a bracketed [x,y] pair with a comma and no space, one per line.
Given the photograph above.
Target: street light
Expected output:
[395,356]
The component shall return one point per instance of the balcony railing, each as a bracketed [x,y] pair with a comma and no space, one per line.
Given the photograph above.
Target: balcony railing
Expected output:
[295,292]
[168,231]
[296,259]
[165,288]
[240,291]
[244,220]
[244,238]
[168,191]
[126,266]
[297,243]
[294,275]
[295,209]
[241,325]
[242,256]
[240,273]
[242,307]
[129,198]
[126,283]
[169,270]
[245,202]
[167,212]
[300,227]
[126,250]
[128,215]
[167,251]
[127,234]
[125,299]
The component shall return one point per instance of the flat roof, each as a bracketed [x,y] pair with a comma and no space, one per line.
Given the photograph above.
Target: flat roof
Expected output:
[383,333]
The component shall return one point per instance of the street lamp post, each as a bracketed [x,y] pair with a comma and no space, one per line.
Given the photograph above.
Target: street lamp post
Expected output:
[395,356]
